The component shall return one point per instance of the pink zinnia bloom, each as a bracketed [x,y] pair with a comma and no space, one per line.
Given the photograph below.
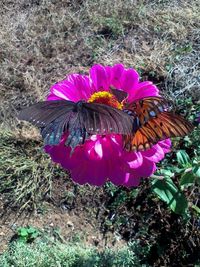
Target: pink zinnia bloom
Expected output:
[102,158]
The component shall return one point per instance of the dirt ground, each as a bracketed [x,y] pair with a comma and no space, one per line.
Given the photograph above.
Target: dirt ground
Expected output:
[72,226]
[80,218]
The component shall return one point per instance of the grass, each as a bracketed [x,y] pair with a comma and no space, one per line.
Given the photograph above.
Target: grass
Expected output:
[26,172]
[47,252]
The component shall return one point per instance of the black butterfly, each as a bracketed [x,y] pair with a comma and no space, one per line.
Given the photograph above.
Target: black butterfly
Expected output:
[79,119]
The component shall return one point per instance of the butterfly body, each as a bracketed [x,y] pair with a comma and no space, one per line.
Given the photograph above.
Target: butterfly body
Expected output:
[142,123]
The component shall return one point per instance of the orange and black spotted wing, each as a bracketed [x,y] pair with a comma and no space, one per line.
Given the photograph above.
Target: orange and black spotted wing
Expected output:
[164,125]
[147,108]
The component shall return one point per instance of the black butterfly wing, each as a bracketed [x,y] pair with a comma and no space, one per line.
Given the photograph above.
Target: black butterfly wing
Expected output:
[50,117]
[103,119]
[52,133]
[43,113]
[79,119]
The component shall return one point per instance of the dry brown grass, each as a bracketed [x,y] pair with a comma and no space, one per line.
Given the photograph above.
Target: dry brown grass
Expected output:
[42,40]
[26,172]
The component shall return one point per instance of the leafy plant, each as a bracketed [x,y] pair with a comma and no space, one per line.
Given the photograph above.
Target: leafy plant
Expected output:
[119,195]
[171,194]
[27,234]
[188,173]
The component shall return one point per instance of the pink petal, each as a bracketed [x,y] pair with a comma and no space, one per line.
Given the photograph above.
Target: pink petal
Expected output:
[132,180]
[52,97]
[64,90]
[129,79]
[116,75]
[79,174]
[134,160]
[82,85]
[166,145]
[143,89]
[100,78]
[118,177]
[154,154]
[90,172]
[76,87]
[93,150]
[116,170]
[111,146]
[98,149]
[145,170]
[108,70]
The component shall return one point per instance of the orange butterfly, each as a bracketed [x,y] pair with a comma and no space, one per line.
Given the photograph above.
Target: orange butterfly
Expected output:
[153,122]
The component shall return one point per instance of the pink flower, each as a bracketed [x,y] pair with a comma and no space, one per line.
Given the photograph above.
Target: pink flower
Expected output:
[102,158]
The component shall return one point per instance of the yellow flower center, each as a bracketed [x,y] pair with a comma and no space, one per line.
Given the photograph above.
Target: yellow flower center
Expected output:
[106,98]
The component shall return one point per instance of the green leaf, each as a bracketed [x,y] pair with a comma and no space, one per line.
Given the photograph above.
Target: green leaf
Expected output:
[165,172]
[183,158]
[197,209]
[187,179]
[168,192]
[31,230]
[22,232]
[196,171]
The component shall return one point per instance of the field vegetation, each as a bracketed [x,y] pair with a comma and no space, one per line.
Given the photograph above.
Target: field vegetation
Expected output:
[156,224]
